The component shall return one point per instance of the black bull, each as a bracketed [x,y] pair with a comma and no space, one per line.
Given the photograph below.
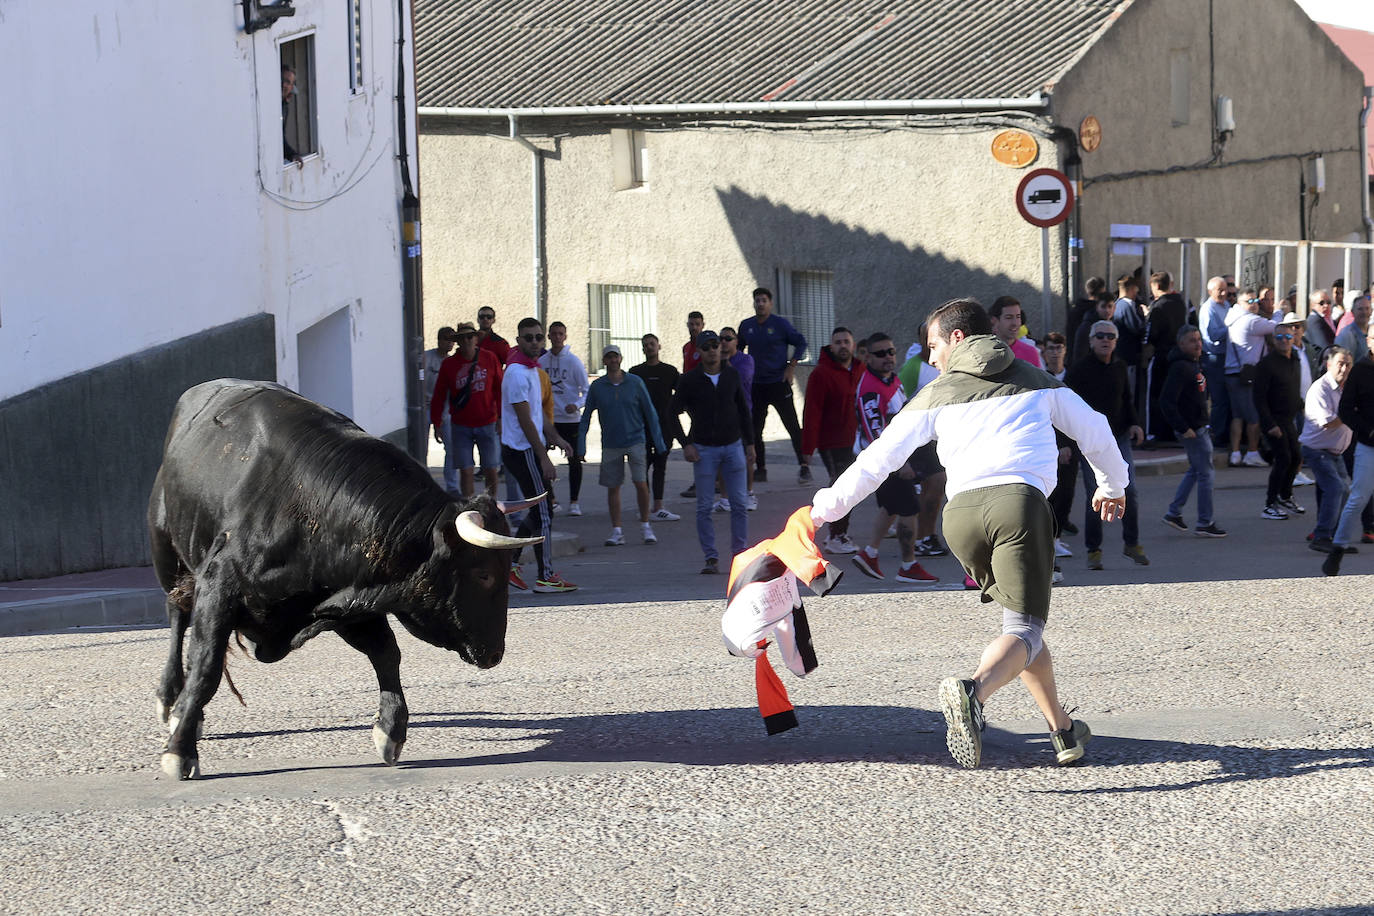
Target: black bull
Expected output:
[278,519]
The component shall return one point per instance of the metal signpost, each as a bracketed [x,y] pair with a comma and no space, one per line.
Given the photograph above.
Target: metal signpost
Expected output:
[1044,198]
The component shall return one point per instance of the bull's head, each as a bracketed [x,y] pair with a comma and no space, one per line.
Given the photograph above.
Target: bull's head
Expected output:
[469,576]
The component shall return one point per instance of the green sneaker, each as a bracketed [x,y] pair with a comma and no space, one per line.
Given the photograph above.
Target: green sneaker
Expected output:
[963,721]
[1068,744]
[1094,559]
[1137,553]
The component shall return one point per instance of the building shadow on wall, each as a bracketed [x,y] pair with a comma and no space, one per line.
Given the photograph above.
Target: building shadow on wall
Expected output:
[878,281]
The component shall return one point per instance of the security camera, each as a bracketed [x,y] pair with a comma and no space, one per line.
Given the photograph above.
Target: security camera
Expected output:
[260,14]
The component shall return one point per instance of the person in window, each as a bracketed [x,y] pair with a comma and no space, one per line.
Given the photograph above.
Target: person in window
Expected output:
[288,90]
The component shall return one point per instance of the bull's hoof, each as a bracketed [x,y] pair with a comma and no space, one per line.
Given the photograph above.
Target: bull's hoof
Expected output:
[163,711]
[174,721]
[179,767]
[388,750]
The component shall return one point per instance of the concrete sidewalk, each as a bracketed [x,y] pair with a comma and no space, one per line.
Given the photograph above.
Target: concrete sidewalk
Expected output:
[131,596]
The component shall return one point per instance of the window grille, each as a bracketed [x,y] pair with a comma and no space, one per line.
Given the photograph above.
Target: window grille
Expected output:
[807,299]
[619,315]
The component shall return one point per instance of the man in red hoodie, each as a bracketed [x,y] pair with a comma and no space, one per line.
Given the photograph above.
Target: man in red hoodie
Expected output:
[829,421]
[469,386]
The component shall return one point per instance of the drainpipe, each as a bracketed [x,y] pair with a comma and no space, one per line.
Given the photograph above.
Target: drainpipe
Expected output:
[1364,183]
[537,221]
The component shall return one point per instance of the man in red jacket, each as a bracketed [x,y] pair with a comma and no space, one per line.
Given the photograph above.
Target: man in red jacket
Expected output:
[469,386]
[829,421]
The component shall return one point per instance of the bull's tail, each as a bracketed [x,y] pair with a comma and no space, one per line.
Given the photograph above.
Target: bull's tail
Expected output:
[230,681]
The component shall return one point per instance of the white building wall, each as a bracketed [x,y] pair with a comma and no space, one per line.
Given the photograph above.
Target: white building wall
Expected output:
[144,197]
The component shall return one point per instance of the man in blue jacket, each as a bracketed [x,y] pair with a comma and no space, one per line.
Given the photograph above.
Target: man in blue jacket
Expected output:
[767,337]
[628,421]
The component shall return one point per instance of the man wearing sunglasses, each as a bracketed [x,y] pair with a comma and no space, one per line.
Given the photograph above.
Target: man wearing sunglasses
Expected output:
[464,409]
[1100,380]
[525,441]
[1278,400]
[720,440]
[488,339]
[1321,330]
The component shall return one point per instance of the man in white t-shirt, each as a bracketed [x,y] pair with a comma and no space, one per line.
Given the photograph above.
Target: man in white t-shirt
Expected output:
[568,377]
[525,441]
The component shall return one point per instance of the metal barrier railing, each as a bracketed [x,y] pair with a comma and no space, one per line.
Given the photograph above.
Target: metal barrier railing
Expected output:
[1255,263]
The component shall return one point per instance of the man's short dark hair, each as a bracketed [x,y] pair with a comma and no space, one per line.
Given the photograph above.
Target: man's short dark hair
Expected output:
[722,331]
[1184,332]
[842,330]
[1338,283]
[1161,279]
[1054,337]
[486,310]
[695,314]
[1096,286]
[528,323]
[557,324]
[876,337]
[965,315]
[1000,304]
[762,291]
[1126,281]
[647,336]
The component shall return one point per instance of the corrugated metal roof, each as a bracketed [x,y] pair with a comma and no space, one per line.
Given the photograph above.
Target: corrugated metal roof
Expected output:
[527,53]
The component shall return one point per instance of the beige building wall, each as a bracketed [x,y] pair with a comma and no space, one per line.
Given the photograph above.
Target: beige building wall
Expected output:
[1294,94]
[904,219]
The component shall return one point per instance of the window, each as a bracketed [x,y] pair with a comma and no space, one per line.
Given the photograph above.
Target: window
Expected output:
[807,299]
[298,98]
[1178,86]
[629,158]
[619,315]
[355,46]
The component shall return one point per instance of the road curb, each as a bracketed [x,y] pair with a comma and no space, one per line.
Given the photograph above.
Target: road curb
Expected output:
[108,608]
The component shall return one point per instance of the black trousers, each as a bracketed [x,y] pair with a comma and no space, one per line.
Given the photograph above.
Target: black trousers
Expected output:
[569,432]
[523,465]
[1061,499]
[659,462]
[1287,457]
[836,460]
[777,395]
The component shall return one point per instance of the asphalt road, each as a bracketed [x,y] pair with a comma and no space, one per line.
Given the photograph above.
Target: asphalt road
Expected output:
[615,762]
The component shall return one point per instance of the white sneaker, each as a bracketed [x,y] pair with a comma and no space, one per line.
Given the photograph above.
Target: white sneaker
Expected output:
[616,538]
[751,502]
[1061,549]
[1233,459]
[722,505]
[574,509]
[840,546]
[1253,460]
[648,531]
[663,515]
[1302,480]
[891,531]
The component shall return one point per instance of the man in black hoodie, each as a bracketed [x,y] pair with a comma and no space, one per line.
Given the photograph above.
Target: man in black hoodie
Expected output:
[1278,398]
[1183,405]
[1168,313]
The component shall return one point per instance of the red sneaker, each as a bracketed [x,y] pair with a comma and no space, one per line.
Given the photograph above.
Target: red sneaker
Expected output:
[868,565]
[517,578]
[915,572]
[969,583]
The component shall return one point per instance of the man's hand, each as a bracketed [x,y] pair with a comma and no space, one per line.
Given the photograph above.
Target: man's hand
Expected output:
[690,453]
[788,372]
[906,473]
[1109,509]
[1275,432]
[1189,434]
[749,454]
[1137,435]
[438,436]
[546,467]
[571,408]
[558,442]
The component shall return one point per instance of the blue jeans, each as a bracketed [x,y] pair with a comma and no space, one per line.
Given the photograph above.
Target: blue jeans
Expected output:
[728,460]
[1349,529]
[450,455]
[1333,487]
[1130,521]
[1200,472]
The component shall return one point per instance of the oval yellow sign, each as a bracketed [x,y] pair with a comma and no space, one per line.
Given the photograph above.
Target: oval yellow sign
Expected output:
[1090,134]
[1015,148]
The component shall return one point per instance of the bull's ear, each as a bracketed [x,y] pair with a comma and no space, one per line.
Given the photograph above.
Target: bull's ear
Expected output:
[446,530]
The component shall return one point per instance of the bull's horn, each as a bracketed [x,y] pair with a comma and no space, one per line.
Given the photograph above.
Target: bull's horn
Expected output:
[521,506]
[469,525]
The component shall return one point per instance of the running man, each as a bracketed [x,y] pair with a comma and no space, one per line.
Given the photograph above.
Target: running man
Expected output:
[993,418]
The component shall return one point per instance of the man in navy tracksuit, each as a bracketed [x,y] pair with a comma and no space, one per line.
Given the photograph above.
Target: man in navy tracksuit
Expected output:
[766,337]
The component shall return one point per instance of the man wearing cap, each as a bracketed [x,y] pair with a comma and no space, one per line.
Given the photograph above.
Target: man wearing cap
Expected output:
[720,441]
[430,362]
[767,338]
[629,423]
[464,409]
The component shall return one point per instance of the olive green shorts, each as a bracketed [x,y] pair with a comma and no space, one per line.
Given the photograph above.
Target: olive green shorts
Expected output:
[1004,538]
